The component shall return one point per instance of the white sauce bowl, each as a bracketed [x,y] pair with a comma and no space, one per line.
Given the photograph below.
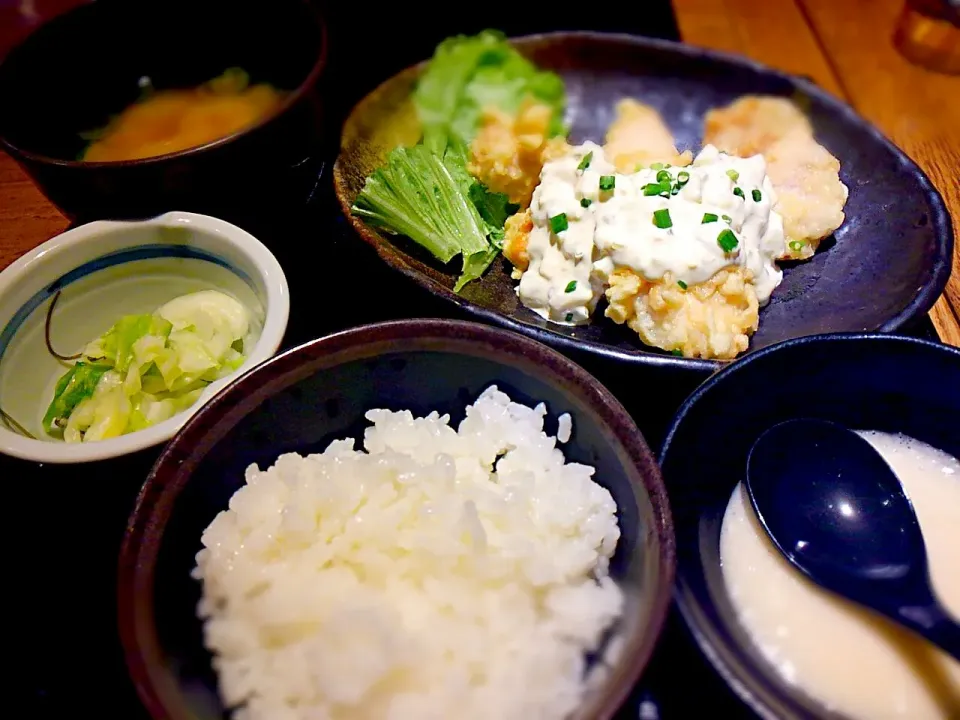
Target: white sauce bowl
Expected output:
[108,269]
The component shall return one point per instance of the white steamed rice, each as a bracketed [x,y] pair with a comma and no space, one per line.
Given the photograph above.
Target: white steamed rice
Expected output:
[420,578]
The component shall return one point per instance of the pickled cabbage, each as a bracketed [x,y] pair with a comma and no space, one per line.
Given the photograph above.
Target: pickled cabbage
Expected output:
[147,368]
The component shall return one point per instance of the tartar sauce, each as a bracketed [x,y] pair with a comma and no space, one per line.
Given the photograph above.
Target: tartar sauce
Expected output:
[689,221]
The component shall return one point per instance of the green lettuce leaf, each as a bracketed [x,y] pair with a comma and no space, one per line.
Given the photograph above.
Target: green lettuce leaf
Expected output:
[426,192]
[493,207]
[470,73]
[437,204]
[418,195]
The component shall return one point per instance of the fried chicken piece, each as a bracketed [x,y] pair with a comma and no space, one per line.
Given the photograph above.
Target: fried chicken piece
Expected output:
[806,177]
[515,240]
[810,194]
[509,151]
[714,319]
[639,137]
[750,125]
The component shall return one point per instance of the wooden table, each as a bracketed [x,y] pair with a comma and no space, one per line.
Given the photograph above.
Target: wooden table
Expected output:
[844,46]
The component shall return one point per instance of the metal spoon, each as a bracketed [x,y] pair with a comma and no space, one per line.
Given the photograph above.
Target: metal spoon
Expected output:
[836,510]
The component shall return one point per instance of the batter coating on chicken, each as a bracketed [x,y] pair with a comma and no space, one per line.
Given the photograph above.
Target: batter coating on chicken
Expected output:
[805,175]
[638,137]
[516,236]
[751,124]
[509,151]
[810,194]
[714,319]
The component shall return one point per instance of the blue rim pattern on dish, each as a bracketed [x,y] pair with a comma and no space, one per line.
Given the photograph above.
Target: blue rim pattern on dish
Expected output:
[120,257]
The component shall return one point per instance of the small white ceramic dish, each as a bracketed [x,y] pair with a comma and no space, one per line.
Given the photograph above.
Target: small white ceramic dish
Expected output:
[107,269]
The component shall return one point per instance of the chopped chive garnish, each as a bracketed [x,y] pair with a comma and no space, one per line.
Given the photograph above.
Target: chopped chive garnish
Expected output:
[683,177]
[661,218]
[676,190]
[585,162]
[678,353]
[569,317]
[571,286]
[656,166]
[663,177]
[607,182]
[665,190]
[739,193]
[585,202]
[708,218]
[796,246]
[733,174]
[726,218]
[651,189]
[682,284]
[558,223]
[756,195]
[667,165]
[727,240]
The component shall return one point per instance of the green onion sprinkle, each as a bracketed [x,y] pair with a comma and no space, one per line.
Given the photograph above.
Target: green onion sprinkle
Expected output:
[727,240]
[661,218]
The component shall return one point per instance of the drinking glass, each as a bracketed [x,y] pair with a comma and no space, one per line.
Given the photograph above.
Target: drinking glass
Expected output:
[928,34]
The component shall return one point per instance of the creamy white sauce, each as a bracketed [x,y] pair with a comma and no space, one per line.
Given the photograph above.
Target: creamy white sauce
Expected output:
[856,664]
[571,258]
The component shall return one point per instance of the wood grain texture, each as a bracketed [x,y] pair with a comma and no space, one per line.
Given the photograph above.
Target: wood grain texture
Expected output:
[26,217]
[765,31]
[919,110]
[846,47]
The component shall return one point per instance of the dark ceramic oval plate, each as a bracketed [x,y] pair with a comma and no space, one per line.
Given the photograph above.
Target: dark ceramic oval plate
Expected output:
[888,265]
